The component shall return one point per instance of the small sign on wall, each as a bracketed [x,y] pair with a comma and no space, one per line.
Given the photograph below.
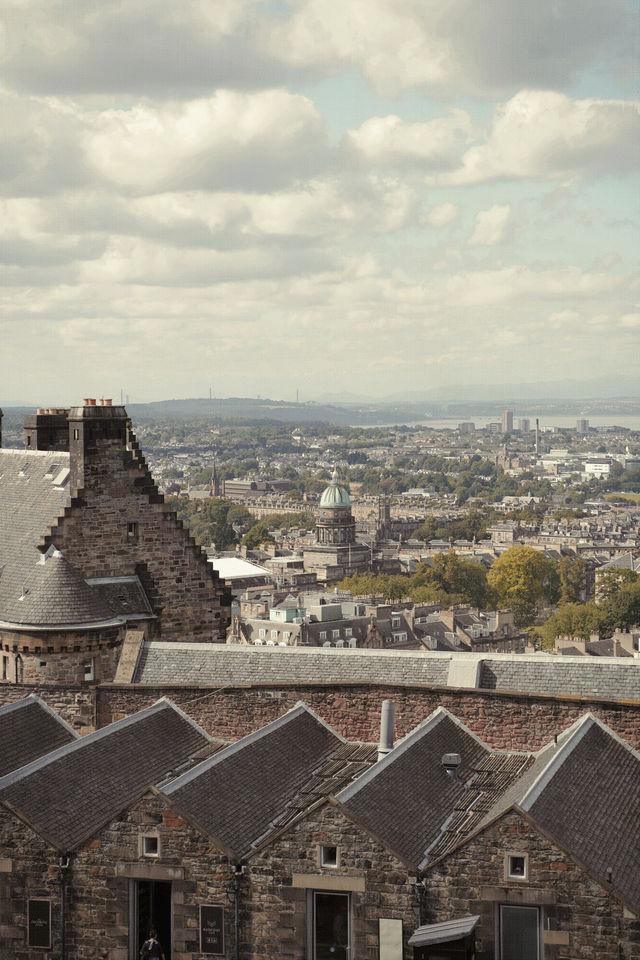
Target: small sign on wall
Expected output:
[39,923]
[211,929]
[390,939]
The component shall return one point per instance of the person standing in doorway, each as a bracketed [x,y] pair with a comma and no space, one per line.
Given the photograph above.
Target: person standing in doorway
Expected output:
[151,949]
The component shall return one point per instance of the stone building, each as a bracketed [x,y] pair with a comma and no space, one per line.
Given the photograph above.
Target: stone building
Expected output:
[336,554]
[90,553]
[295,842]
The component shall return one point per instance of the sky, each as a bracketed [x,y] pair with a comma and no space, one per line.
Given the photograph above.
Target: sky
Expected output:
[315,198]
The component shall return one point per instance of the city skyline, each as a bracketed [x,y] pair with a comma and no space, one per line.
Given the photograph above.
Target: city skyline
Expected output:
[261,197]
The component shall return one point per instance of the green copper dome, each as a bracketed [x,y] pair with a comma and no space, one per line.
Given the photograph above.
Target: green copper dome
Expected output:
[335,495]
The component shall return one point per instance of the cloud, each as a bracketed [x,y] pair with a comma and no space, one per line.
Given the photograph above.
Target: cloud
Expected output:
[138,48]
[442,214]
[491,225]
[544,135]
[392,142]
[228,141]
[463,45]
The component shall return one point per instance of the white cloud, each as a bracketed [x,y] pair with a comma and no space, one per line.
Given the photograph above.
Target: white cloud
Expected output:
[544,135]
[228,140]
[392,142]
[442,214]
[462,45]
[491,225]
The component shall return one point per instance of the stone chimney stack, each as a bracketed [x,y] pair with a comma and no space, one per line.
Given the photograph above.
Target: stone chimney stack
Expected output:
[97,430]
[47,429]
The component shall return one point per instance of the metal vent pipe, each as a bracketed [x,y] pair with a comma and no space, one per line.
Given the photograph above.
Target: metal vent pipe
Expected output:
[387,720]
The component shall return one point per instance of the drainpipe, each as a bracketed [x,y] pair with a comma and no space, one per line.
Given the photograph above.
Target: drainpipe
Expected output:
[63,864]
[238,871]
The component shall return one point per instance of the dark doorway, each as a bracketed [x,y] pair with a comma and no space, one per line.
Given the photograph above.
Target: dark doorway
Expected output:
[154,910]
[331,926]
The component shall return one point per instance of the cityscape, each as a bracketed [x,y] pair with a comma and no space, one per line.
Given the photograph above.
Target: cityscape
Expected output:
[319,480]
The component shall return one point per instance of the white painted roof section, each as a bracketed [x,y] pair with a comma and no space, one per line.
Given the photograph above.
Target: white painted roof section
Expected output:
[236,568]
[464,671]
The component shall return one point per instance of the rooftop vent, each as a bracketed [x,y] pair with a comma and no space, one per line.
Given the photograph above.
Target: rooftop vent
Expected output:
[451,762]
[387,719]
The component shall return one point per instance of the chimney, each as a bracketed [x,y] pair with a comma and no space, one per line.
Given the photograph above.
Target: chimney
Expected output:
[47,429]
[95,431]
[387,719]
[451,762]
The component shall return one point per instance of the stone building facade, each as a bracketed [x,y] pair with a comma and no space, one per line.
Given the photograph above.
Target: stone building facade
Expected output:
[90,553]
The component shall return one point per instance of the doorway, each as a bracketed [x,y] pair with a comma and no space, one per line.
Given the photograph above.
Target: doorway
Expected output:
[330,926]
[153,909]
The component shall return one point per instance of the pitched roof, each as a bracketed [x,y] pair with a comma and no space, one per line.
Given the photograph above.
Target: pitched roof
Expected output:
[405,798]
[588,800]
[239,795]
[70,793]
[583,790]
[28,730]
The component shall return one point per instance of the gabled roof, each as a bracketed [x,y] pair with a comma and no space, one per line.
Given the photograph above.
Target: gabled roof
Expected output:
[583,791]
[28,730]
[406,797]
[240,794]
[70,793]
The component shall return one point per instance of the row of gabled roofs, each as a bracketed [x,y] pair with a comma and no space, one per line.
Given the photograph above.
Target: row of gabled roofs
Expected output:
[582,790]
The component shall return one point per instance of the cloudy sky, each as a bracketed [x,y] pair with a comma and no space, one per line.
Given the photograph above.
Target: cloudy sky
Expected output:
[330,196]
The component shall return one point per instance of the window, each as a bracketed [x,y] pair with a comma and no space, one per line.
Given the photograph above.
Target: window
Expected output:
[274,634]
[150,845]
[76,434]
[323,634]
[286,635]
[347,631]
[262,632]
[328,856]
[88,670]
[516,866]
[335,634]
[132,531]
[5,668]
[519,932]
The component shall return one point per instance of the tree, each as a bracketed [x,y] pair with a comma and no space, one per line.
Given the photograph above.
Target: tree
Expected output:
[521,579]
[571,571]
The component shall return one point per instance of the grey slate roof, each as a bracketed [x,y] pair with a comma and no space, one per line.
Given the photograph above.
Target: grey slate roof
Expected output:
[589,802]
[28,730]
[239,795]
[612,679]
[45,590]
[239,664]
[584,792]
[214,664]
[70,793]
[408,795]
[33,493]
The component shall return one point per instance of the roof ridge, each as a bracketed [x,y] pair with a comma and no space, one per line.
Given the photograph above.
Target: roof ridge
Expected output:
[250,738]
[573,735]
[40,762]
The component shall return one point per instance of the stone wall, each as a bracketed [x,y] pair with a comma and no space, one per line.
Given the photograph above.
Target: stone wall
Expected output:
[65,658]
[579,918]
[119,525]
[284,875]
[504,721]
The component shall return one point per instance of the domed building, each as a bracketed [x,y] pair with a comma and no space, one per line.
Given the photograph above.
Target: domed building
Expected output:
[336,553]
